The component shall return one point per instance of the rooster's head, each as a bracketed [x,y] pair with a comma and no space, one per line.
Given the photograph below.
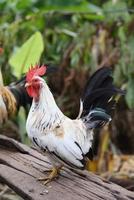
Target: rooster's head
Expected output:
[34,81]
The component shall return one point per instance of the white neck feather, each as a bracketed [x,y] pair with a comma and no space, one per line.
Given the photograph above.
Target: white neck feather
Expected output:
[44,114]
[47,102]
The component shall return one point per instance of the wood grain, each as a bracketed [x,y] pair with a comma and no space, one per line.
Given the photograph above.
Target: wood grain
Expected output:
[21,166]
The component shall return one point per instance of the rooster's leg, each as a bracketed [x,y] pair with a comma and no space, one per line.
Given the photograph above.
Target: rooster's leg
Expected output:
[54,173]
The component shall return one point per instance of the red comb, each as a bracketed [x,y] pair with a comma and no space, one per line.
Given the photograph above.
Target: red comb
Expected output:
[35,71]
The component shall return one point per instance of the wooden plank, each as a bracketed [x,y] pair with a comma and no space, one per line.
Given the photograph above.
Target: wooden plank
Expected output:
[21,166]
[29,188]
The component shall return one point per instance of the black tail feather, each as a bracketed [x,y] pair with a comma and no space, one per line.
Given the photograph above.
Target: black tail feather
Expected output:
[99,98]
[98,80]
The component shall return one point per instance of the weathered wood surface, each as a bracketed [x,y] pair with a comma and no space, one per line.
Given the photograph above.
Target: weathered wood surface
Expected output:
[21,166]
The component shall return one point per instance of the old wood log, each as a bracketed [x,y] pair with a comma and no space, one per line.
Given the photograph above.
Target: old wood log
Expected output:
[21,166]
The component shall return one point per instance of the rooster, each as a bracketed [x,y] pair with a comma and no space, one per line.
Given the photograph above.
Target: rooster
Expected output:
[68,142]
[13,96]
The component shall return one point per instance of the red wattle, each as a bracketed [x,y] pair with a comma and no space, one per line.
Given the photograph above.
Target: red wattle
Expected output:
[32,91]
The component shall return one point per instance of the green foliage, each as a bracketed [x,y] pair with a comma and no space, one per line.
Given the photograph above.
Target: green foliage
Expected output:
[87,29]
[29,54]
[115,10]
[78,35]
[130,92]
[124,71]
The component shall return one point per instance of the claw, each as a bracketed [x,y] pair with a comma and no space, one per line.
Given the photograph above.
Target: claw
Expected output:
[54,174]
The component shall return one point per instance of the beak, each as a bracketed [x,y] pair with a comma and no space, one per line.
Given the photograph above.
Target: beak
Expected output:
[27,85]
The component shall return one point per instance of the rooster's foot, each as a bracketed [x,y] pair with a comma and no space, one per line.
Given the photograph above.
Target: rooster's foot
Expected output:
[54,174]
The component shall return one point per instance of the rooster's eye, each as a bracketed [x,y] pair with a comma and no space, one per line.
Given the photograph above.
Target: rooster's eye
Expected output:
[35,80]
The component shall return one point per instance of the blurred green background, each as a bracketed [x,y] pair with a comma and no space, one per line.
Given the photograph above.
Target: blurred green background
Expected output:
[78,37]
[85,35]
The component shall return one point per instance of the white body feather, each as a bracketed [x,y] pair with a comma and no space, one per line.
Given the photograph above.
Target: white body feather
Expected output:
[53,131]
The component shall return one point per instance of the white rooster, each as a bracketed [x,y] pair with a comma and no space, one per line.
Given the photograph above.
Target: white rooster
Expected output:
[67,141]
